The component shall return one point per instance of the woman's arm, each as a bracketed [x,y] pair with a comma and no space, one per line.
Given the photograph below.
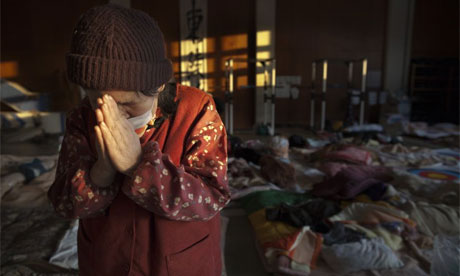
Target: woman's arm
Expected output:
[73,193]
[198,188]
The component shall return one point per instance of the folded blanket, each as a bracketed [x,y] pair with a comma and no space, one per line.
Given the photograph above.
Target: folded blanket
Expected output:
[303,247]
[353,180]
[434,219]
[311,213]
[365,254]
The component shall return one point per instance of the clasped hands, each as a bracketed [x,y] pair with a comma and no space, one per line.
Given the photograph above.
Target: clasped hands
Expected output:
[117,144]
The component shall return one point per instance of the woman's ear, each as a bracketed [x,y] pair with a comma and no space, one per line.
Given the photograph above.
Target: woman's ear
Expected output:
[82,92]
[161,88]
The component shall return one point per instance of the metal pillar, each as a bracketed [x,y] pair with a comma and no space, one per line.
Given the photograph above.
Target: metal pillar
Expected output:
[229,96]
[265,91]
[312,99]
[350,74]
[323,96]
[363,91]
[269,97]
[324,86]
[349,113]
[273,95]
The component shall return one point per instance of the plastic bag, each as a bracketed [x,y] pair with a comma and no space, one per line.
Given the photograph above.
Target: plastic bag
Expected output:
[66,254]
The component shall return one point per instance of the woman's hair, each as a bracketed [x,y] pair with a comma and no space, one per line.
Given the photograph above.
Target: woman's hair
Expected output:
[165,101]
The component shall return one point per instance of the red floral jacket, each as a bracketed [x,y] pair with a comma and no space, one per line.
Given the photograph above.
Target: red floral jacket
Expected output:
[165,219]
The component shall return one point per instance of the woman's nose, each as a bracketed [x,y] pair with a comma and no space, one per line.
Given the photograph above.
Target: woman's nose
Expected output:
[123,112]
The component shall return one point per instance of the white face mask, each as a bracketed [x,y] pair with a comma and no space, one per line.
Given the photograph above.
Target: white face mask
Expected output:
[138,121]
[141,120]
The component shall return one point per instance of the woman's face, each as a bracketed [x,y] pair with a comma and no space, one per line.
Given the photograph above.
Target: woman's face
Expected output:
[130,103]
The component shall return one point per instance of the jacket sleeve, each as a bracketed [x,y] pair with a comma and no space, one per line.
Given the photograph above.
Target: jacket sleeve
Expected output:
[72,194]
[198,188]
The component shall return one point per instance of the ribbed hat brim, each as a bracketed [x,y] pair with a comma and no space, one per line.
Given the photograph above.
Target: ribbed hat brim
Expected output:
[110,74]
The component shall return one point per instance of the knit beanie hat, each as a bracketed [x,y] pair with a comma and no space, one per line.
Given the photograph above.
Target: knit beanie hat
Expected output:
[118,48]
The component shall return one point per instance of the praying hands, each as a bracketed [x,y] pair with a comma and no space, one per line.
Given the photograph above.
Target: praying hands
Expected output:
[118,146]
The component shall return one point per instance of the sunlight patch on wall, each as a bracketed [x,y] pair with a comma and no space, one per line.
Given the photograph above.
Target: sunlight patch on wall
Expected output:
[237,65]
[241,80]
[174,49]
[8,69]
[234,42]
[211,45]
[193,63]
[262,55]
[263,38]
[211,65]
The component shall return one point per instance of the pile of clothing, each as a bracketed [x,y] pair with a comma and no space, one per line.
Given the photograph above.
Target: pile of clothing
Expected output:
[353,212]
[25,180]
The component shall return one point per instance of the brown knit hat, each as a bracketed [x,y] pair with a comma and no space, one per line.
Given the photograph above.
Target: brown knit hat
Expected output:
[118,48]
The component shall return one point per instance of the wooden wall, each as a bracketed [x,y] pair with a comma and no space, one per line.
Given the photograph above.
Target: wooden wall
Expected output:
[309,30]
[231,33]
[166,13]
[436,29]
[36,34]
